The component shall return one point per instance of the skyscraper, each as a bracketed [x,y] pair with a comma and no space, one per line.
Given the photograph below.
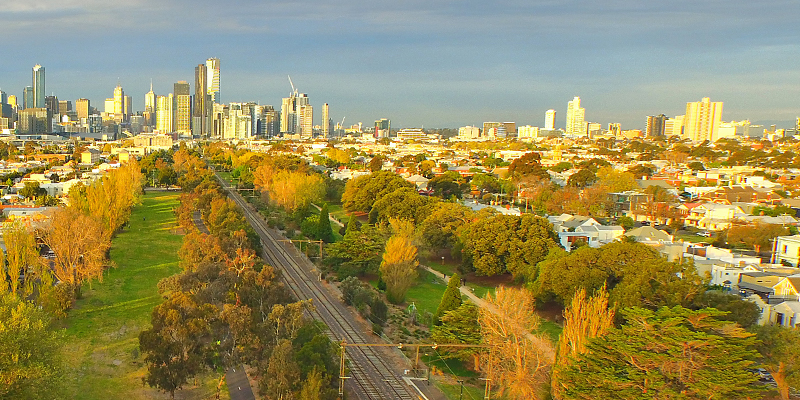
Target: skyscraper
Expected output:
[82,106]
[150,107]
[655,125]
[38,87]
[576,125]
[550,119]
[326,122]
[183,108]
[306,120]
[288,114]
[212,81]
[27,97]
[202,104]
[119,101]
[127,107]
[164,114]
[702,120]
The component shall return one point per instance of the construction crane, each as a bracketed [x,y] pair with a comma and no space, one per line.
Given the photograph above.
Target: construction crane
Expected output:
[294,90]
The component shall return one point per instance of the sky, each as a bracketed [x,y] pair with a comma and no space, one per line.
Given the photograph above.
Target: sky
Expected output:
[423,63]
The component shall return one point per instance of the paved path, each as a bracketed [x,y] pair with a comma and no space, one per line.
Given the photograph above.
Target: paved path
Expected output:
[467,291]
[330,217]
[238,385]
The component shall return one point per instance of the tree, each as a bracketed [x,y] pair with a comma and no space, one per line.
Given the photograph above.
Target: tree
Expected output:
[174,346]
[743,312]
[32,190]
[584,319]
[442,227]
[362,192]
[376,163]
[582,178]
[780,356]
[358,252]
[451,298]
[528,165]
[283,373]
[20,256]
[625,222]
[518,360]
[449,184]
[29,359]
[399,267]
[672,353]
[757,235]
[80,245]
[614,180]
[505,243]
[403,203]
[324,230]
[459,326]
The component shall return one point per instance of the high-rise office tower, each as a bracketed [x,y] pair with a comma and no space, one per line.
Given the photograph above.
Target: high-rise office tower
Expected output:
[202,105]
[183,108]
[27,97]
[212,81]
[12,101]
[127,107]
[306,120]
[326,121]
[119,101]
[82,106]
[64,107]
[702,120]
[51,104]
[655,125]
[550,119]
[288,114]
[576,124]
[150,99]
[38,87]
[164,114]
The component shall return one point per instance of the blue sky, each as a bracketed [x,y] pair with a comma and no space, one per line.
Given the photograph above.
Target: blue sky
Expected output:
[437,63]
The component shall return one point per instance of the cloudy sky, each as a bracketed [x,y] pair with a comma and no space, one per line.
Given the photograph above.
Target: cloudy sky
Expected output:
[432,63]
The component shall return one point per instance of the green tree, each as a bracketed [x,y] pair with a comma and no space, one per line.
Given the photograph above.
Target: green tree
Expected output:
[625,222]
[451,298]
[283,373]
[526,166]
[743,312]
[441,229]
[459,326]
[449,184]
[403,203]
[29,359]
[324,230]
[672,353]
[174,346]
[582,178]
[362,192]
[32,190]
[505,243]
[376,163]
[780,356]
[358,252]
[757,236]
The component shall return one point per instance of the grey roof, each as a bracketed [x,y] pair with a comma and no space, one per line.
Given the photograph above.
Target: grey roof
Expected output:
[649,233]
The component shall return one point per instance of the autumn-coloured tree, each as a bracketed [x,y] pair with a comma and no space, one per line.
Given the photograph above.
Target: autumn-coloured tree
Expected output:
[288,189]
[399,267]
[518,361]
[79,243]
[584,319]
[756,236]
[20,255]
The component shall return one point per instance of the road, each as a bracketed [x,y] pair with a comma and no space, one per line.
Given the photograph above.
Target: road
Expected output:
[238,385]
[372,376]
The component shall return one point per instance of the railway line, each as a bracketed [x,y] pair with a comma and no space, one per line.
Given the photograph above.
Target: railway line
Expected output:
[372,377]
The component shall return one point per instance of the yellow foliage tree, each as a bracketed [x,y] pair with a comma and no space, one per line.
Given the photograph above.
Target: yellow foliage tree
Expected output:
[79,244]
[20,256]
[288,189]
[518,361]
[399,267]
[584,319]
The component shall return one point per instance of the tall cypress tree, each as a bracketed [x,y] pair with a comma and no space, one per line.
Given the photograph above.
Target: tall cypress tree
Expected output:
[451,299]
[324,230]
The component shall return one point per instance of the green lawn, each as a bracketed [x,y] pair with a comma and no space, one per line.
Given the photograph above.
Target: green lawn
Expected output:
[453,391]
[426,293]
[102,330]
[450,269]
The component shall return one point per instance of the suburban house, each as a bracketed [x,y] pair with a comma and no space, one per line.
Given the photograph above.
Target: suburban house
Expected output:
[713,216]
[786,249]
[568,223]
[593,235]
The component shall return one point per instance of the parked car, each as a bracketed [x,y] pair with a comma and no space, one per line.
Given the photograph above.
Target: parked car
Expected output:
[704,234]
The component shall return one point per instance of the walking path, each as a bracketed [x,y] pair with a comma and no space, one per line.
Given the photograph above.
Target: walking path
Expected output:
[467,291]
[330,217]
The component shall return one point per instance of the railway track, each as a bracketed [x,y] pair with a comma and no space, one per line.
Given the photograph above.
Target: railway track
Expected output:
[372,377]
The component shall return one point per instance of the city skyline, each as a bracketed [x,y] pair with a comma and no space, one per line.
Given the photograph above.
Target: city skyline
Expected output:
[428,64]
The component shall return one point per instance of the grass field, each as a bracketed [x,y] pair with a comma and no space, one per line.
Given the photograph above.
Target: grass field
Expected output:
[102,355]
[426,293]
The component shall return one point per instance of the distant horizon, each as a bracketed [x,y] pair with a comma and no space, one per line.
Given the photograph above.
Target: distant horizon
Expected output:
[424,63]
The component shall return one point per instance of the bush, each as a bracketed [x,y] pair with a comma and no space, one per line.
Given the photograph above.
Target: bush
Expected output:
[379,311]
